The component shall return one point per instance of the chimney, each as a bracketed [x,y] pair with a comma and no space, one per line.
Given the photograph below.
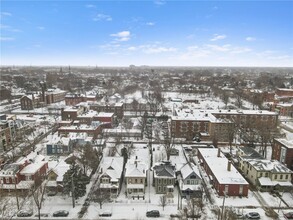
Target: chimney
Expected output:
[229,165]
[135,163]
[219,152]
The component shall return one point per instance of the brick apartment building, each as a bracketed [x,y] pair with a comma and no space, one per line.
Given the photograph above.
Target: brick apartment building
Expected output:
[283,151]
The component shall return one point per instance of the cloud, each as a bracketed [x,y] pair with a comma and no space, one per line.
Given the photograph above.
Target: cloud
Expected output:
[250,39]
[90,6]
[223,48]
[7,38]
[150,23]
[152,49]
[132,48]
[102,17]
[41,28]
[2,14]
[218,37]
[9,28]
[156,49]
[160,2]
[122,36]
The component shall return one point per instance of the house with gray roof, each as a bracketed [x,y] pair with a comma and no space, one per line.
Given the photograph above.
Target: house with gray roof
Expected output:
[164,177]
[266,174]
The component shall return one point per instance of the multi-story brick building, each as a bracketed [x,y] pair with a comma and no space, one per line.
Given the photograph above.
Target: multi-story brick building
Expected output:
[219,124]
[282,92]
[5,135]
[29,102]
[74,99]
[223,175]
[24,173]
[116,108]
[71,113]
[283,151]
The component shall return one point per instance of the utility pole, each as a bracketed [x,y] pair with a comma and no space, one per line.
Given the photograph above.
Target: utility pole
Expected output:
[222,213]
[72,191]
[16,193]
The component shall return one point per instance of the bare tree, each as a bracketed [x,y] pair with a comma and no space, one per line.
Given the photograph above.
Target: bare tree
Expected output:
[238,101]
[135,105]
[3,206]
[101,196]
[163,201]
[89,157]
[225,98]
[38,196]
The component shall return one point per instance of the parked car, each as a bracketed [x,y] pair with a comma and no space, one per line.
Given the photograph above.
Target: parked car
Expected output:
[288,215]
[51,193]
[61,213]
[105,214]
[252,215]
[153,213]
[24,213]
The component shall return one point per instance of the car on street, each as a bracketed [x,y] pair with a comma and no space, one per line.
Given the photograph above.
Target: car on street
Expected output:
[288,215]
[153,213]
[252,215]
[61,213]
[24,213]
[105,214]
[51,193]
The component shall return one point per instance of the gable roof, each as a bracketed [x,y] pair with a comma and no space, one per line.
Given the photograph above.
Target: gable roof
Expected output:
[135,169]
[112,166]
[188,169]
[165,169]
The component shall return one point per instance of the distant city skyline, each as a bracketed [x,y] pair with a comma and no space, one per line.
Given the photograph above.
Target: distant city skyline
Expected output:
[155,33]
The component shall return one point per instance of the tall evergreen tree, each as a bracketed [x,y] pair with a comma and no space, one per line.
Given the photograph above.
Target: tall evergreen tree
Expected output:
[74,181]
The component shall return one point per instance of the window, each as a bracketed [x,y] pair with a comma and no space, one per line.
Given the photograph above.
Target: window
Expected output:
[281,176]
[240,189]
[141,180]
[260,174]
[159,189]
[135,180]
[286,177]
[188,182]
[276,176]
[267,174]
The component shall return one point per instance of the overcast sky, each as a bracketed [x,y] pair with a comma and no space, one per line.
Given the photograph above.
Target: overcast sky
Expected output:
[161,33]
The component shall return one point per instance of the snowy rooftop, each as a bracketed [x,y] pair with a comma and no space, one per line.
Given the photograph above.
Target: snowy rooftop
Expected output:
[285,142]
[187,114]
[189,169]
[59,140]
[79,127]
[112,166]
[105,114]
[218,166]
[135,169]
[60,169]
[9,169]
[33,156]
[32,168]
[89,114]
[269,165]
